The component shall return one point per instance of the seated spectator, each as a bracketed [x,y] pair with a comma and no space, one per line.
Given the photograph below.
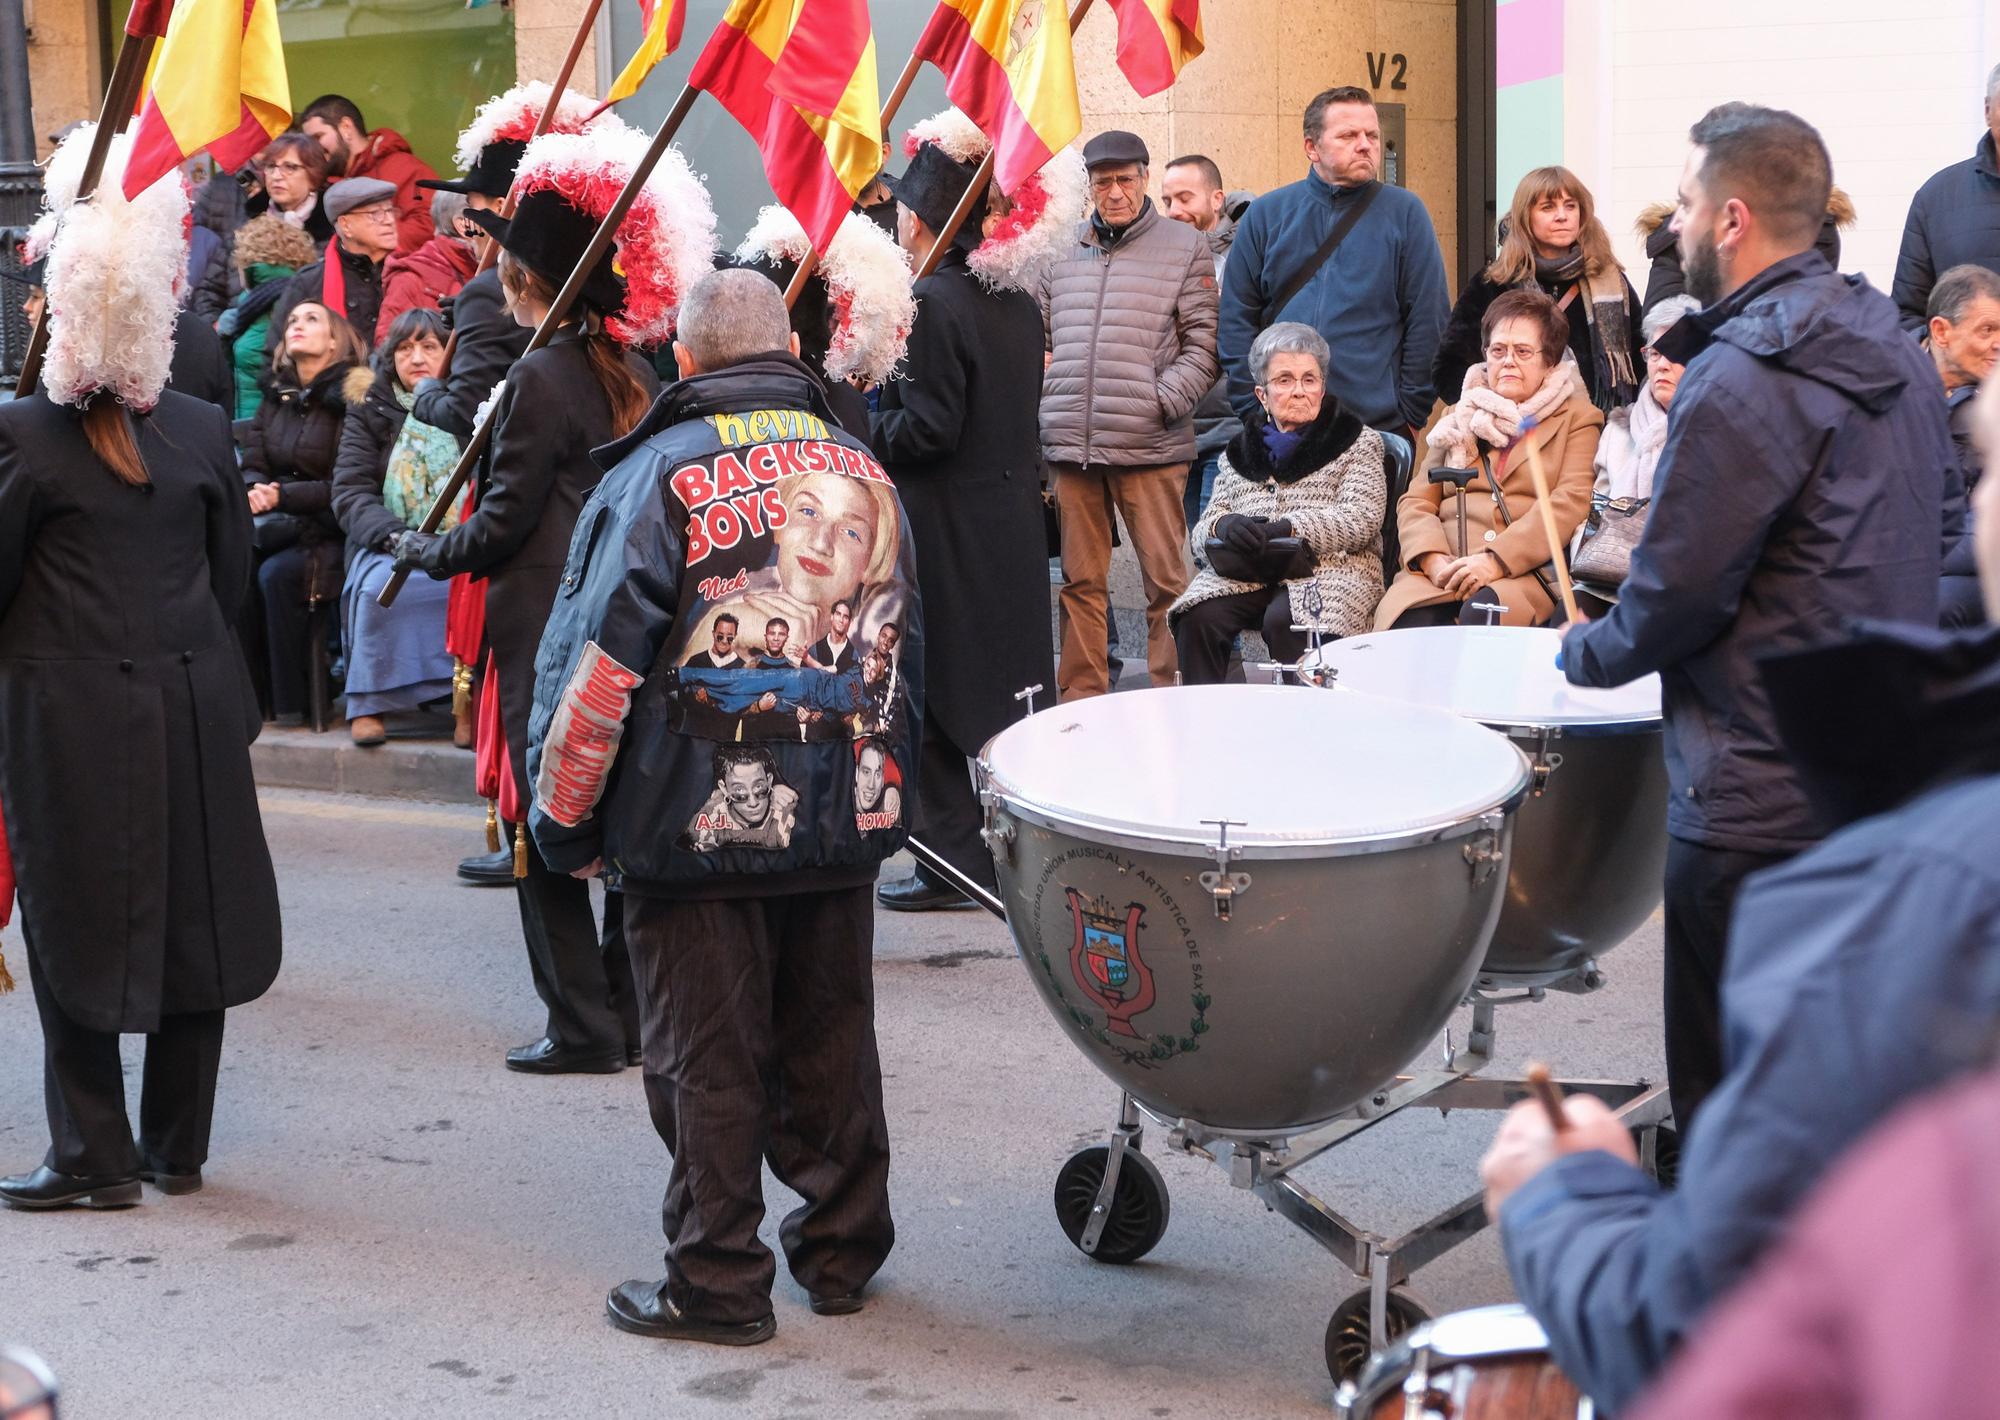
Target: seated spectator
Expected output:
[1552,242]
[388,472]
[1629,450]
[1527,394]
[1302,468]
[1964,338]
[269,252]
[288,456]
[292,172]
[353,151]
[347,279]
[435,271]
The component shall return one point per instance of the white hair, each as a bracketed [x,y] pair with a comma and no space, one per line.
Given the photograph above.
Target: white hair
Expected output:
[1287,337]
[1993,83]
[1666,315]
[446,206]
[729,315]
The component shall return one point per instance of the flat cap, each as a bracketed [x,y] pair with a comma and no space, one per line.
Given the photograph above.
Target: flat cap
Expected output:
[349,193]
[1115,146]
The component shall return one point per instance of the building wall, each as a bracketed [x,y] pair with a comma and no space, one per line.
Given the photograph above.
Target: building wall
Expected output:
[63,69]
[1610,87]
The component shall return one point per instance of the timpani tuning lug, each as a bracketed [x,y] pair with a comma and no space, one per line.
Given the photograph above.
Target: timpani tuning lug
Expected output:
[1028,693]
[1483,850]
[1222,884]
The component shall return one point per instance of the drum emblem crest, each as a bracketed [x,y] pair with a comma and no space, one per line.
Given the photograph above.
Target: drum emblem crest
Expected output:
[1104,958]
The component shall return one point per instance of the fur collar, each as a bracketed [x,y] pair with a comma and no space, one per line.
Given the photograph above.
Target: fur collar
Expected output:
[1326,439]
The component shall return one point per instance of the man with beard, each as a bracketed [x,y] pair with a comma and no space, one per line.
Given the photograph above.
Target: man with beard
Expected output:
[352,151]
[1800,487]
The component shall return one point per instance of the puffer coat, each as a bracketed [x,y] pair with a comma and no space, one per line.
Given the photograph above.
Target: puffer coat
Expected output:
[1131,330]
[1333,492]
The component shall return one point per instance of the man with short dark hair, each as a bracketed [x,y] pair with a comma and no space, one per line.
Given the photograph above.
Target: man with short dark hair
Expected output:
[747,875]
[1378,295]
[334,122]
[1801,486]
[1191,190]
[721,654]
[1954,220]
[834,651]
[1964,337]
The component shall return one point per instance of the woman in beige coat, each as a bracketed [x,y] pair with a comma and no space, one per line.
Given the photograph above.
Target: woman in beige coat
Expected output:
[1528,395]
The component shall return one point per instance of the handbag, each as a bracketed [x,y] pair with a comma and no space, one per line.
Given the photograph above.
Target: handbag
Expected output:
[1604,546]
[275,531]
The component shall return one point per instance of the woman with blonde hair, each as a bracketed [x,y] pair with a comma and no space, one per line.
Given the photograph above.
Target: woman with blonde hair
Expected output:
[1552,242]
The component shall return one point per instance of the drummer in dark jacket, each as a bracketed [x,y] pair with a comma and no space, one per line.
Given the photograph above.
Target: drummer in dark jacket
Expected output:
[746,864]
[145,884]
[959,433]
[1800,485]
[583,389]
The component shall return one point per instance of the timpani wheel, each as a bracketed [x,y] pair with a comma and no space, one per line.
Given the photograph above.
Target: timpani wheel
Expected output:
[1348,1341]
[1139,1206]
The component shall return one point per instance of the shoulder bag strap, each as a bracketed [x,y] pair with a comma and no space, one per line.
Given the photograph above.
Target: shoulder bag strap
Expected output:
[1319,258]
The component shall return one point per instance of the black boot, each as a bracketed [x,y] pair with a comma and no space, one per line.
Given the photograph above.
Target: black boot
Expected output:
[489,869]
[45,1188]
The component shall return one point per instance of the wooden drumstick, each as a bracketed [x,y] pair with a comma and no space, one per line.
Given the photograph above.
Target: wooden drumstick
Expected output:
[1543,1084]
[1556,555]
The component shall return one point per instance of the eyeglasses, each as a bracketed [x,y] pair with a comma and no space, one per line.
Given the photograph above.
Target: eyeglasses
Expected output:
[289,169]
[1519,354]
[384,213]
[1127,182]
[1285,384]
[1654,356]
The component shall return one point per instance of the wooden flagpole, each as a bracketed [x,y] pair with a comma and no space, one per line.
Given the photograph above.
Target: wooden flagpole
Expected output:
[559,309]
[489,250]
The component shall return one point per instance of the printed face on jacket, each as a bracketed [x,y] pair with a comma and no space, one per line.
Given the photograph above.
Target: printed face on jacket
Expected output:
[878,786]
[750,804]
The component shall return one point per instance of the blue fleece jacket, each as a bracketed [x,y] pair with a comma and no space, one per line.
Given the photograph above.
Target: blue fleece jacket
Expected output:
[1380,301]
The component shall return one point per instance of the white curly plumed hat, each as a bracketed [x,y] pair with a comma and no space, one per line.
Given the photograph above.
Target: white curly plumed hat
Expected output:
[116,271]
[1041,227]
[867,285]
[513,115]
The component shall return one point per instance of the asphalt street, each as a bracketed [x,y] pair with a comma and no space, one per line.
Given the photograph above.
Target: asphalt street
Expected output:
[395,1225]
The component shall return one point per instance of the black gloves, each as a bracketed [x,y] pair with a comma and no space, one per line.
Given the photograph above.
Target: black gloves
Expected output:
[1246,549]
[417,552]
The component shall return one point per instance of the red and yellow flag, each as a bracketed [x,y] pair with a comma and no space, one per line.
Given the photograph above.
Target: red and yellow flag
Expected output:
[1007,64]
[663,21]
[217,82]
[1156,39]
[800,76]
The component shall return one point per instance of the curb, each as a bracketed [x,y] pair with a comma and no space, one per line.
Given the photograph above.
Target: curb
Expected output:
[414,768]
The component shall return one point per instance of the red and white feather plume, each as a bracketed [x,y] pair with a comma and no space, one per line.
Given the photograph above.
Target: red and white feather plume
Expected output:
[116,272]
[867,281]
[1040,229]
[514,114]
[666,242]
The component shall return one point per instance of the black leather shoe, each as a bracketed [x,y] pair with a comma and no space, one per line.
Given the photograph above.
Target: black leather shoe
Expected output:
[45,1188]
[169,1182]
[845,1304]
[489,869]
[643,1309]
[917,894]
[545,1057]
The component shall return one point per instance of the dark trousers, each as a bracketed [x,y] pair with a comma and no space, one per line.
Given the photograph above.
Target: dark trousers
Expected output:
[1702,884]
[949,817]
[1960,603]
[760,1048]
[89,1133]
[1206,631]
[277,615]
[582,976]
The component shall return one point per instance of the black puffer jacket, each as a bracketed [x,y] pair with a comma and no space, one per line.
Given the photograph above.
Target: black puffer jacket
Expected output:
[293,441]
[1954,220]
[362,463]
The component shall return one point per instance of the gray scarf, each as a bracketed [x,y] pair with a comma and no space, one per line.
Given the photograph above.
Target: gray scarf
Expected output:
[1610,329]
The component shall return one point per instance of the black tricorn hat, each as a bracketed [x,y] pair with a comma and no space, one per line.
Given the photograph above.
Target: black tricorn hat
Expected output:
[491,173]
[550,236]
[932,185]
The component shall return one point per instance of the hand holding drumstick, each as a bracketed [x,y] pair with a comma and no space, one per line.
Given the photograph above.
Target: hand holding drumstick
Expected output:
[1538,1131]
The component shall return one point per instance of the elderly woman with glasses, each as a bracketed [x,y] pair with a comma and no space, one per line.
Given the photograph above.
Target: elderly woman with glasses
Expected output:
[1293,534]
[1526,396]
[292,170]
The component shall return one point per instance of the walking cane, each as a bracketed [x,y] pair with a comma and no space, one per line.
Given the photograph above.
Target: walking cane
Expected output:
[1556,554]
[1458,478]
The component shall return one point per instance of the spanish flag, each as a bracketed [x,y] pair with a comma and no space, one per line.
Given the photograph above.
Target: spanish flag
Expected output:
[663,21]
[1156,39]
[218,82]
[1007,64]
[800,76]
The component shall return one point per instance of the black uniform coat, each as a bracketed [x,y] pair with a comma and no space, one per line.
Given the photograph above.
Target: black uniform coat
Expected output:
[959,434]
[533,480]
[125,719]
[489,342]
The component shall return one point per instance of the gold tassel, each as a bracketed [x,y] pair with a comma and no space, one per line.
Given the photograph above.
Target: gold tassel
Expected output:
[6,976]
[492,825]
[520,850]
[461,695]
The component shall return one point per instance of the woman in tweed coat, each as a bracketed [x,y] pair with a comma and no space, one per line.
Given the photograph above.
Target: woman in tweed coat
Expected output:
[1293,535]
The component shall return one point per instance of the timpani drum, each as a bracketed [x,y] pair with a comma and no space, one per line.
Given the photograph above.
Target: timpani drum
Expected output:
[1590,846]
[1248,906]
[1490,1363]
